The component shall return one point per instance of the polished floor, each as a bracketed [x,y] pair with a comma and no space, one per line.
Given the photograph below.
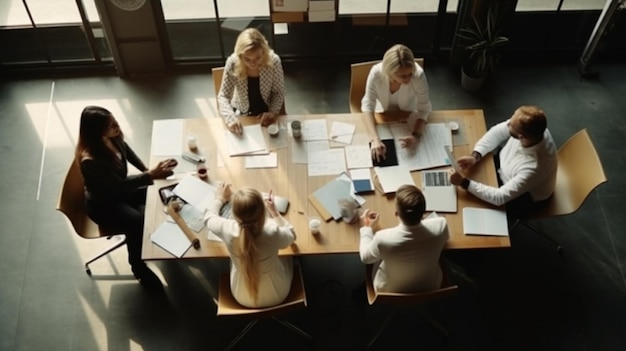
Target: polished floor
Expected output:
[527,297]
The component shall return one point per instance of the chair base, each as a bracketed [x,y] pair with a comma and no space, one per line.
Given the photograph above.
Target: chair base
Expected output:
[249,326]
[104,253]
[387,320]
[525,223]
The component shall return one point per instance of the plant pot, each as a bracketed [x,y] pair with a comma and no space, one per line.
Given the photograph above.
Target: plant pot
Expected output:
[470,83]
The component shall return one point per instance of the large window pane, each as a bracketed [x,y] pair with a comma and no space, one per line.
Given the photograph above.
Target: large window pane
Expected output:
[349,7]
[25,47]
[12,13]
[191,28]
[54,11]
[583,4]
[537,5]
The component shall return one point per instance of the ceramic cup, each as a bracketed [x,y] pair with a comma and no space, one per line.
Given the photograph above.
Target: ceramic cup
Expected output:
[273,130]
[454,127]
[203,172]
[296,129]
[314,225]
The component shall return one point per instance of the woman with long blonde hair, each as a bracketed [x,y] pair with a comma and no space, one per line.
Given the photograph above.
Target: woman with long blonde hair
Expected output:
[253,83]
[253,236]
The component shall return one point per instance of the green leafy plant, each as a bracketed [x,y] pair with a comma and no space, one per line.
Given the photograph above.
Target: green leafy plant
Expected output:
[485,45]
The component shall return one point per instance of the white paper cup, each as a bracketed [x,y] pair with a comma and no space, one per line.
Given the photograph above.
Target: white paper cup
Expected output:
[273,130]
[192,142]
[315,223]
[454,127]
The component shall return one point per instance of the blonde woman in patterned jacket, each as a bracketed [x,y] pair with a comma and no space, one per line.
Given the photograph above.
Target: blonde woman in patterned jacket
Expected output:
[253,83]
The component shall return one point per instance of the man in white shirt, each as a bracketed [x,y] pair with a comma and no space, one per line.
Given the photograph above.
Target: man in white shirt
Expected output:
[528,163]
[405,257]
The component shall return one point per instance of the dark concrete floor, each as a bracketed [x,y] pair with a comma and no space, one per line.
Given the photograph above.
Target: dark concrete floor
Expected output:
[527,297]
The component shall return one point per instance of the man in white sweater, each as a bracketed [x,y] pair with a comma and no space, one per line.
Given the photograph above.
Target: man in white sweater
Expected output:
[405,257]
[528,163]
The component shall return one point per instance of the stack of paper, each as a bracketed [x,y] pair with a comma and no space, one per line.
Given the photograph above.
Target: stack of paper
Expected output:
[250,142]
[391,178]
[484,221]
[195,192]
[171,238]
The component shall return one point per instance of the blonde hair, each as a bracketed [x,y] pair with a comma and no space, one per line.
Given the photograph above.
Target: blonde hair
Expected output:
[248,208]
[410,204]
[250,39]
[398,56]
[531,121]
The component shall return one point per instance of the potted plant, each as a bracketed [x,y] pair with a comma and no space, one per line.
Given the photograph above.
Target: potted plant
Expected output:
[484,44]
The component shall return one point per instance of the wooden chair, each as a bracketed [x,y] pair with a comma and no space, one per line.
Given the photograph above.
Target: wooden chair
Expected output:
[72,204]
[579,173]
[228,306]
[218,74]
[358,80]
[400,300]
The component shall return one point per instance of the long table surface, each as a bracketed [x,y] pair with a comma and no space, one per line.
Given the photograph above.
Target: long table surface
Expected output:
[292,181]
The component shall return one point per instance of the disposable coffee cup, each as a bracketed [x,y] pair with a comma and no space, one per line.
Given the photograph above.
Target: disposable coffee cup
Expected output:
[192,142]
[315,224]
[454,127]
[296,129]
[273,130]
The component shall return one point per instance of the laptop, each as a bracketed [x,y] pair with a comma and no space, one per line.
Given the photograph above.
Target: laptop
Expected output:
[440,194]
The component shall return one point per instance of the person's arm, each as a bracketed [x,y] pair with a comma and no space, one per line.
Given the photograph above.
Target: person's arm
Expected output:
[495,136]
[277,97]
[227,90]
[424,106]
[368,106]
[499,196]
[103,182]
[132,157]
[368,246]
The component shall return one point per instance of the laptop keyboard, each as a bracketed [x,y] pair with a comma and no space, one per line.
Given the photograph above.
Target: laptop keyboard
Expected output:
[436,178]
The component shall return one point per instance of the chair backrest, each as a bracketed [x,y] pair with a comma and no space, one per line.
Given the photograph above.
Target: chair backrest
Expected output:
[358,80]
[579,173]
[407,299]
[228,306]
[218,74]
[72,204]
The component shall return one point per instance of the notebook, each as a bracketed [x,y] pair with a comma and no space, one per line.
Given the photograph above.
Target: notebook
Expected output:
[485,221]
[440,194]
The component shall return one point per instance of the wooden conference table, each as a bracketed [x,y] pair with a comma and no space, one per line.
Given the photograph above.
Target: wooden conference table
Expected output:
[292,181]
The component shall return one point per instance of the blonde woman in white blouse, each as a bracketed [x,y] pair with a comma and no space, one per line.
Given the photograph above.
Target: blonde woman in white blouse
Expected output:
[397,83]
[253,83]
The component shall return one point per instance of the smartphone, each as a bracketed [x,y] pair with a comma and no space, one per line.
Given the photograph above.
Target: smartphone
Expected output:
[166,193]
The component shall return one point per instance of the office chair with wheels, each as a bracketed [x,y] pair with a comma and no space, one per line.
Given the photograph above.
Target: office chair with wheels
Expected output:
[72,204]
[358,80]
[228,306]
[579,172]
[218,74]
[400,300]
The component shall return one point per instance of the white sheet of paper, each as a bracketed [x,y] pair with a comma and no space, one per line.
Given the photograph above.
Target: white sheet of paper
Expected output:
[342,132]
[326,162]
[167,137]
[392,177]
[314,129]
[262,161]
[484,221]
[171,238]
[359,156]
[429,152]
[251,141]
[195,192]
[383,131]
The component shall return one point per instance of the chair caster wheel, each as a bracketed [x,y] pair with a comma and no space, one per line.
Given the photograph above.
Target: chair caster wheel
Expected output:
[559,249]
[88,271]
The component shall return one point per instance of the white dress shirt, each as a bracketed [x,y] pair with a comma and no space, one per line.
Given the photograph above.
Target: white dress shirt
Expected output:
[522,169]
[405,258]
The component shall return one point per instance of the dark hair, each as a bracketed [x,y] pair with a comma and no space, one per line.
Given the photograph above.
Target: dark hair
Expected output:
[410,204]
[94,121]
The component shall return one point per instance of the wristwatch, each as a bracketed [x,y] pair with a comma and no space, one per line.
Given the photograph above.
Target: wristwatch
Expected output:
[465,183]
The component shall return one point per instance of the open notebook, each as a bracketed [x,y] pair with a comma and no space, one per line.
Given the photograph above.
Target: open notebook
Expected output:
[440,194]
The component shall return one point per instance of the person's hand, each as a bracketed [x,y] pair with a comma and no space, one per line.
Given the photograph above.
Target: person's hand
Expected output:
[369,219]
[466,162]
[266,118]
[235,127]
[378,150]
[269,203]
[456,178]
[408,141]
[163,169]
[224,191]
